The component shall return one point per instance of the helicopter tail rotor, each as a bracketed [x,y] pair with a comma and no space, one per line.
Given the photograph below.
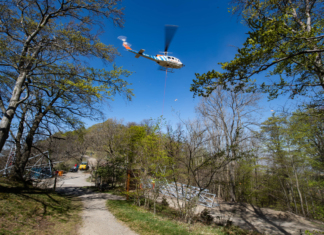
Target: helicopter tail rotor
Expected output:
[122,38]
[125,44]
[170,30]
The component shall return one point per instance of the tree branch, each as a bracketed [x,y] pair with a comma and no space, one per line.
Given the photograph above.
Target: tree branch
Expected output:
[2,107]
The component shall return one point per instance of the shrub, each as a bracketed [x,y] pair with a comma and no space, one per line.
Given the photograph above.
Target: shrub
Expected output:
[63,166]
[142,200]
[206,217]
[164,202]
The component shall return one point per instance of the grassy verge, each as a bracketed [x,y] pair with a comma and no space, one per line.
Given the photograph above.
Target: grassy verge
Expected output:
[145,223]
[35,211]
[89,179]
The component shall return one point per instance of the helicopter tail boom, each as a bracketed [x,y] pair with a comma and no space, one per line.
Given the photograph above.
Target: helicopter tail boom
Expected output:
[127,46]
[139,53]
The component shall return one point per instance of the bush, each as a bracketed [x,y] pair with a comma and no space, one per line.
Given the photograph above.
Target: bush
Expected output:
[150,203]
[164,203]
[63,166]
[206,217]
[142,200]
[159,206]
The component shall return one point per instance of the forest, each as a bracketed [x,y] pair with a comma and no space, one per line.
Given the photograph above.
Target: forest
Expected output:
[57,73]
[277,163]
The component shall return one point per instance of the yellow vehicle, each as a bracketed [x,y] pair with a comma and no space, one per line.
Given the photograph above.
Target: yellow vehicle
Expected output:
[84,166]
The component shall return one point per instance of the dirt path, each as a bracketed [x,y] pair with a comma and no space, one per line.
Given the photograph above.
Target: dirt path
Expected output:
[96,218]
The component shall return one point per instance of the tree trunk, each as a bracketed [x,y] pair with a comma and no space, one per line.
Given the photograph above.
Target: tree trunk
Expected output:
[306,205]
[55,178]
[285,193]
[7,117]
[154,202]
[256,183]
[20,166]
[311,198]
[16,171]
[313,207]
[293,196]
[299,192]
[128,183]
[232,183]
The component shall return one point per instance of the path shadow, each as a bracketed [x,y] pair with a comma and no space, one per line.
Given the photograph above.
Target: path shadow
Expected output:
[262,216]
[82,192]
[88,195]
[42,196]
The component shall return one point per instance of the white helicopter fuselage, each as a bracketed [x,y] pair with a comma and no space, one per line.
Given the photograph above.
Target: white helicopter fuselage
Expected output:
[165,61]
[169,62]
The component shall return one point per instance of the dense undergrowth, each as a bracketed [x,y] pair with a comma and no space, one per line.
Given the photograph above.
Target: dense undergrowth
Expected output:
[29,210]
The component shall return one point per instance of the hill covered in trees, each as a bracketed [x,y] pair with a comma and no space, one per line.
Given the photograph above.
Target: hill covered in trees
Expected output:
[278,163]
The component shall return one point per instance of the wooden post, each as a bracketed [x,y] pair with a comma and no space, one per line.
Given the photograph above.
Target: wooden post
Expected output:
[127,184]
[55,182]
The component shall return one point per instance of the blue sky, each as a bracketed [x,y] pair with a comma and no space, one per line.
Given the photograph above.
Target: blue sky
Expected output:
[206,35]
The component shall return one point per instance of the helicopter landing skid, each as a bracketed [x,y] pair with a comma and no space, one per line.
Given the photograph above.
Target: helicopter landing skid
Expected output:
[169,70]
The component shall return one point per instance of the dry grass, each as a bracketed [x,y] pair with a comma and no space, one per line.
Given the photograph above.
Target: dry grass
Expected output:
[36,211]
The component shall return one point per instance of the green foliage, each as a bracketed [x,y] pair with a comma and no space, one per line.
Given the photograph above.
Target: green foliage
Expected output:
[64,166]
[135,135]
[113,172]
[55,41]
[245,174]
[145,223]
[164,202]
[314,232]
[285,40]
[159,206]
[294,163]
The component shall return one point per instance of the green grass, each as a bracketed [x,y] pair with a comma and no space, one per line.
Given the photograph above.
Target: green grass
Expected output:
[28,210]
[89,179]
[145,223]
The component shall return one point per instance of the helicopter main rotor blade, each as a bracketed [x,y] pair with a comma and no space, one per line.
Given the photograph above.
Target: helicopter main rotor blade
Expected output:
[169,33]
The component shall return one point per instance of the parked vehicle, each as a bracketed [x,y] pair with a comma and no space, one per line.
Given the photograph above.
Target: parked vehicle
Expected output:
[74,169]
[84,166]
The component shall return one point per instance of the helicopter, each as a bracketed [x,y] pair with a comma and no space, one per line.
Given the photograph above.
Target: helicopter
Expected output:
[166,62]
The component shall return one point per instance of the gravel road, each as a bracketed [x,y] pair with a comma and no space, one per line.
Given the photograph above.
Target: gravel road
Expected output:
[96,218]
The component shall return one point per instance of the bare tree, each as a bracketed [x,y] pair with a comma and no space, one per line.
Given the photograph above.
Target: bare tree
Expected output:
[193,161]
[229,117]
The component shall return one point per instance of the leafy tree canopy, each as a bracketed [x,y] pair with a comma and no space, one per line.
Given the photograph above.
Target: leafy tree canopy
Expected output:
[285,40]
[42,41]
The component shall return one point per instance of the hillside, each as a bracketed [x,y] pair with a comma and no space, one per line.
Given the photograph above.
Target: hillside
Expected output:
[36,211]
